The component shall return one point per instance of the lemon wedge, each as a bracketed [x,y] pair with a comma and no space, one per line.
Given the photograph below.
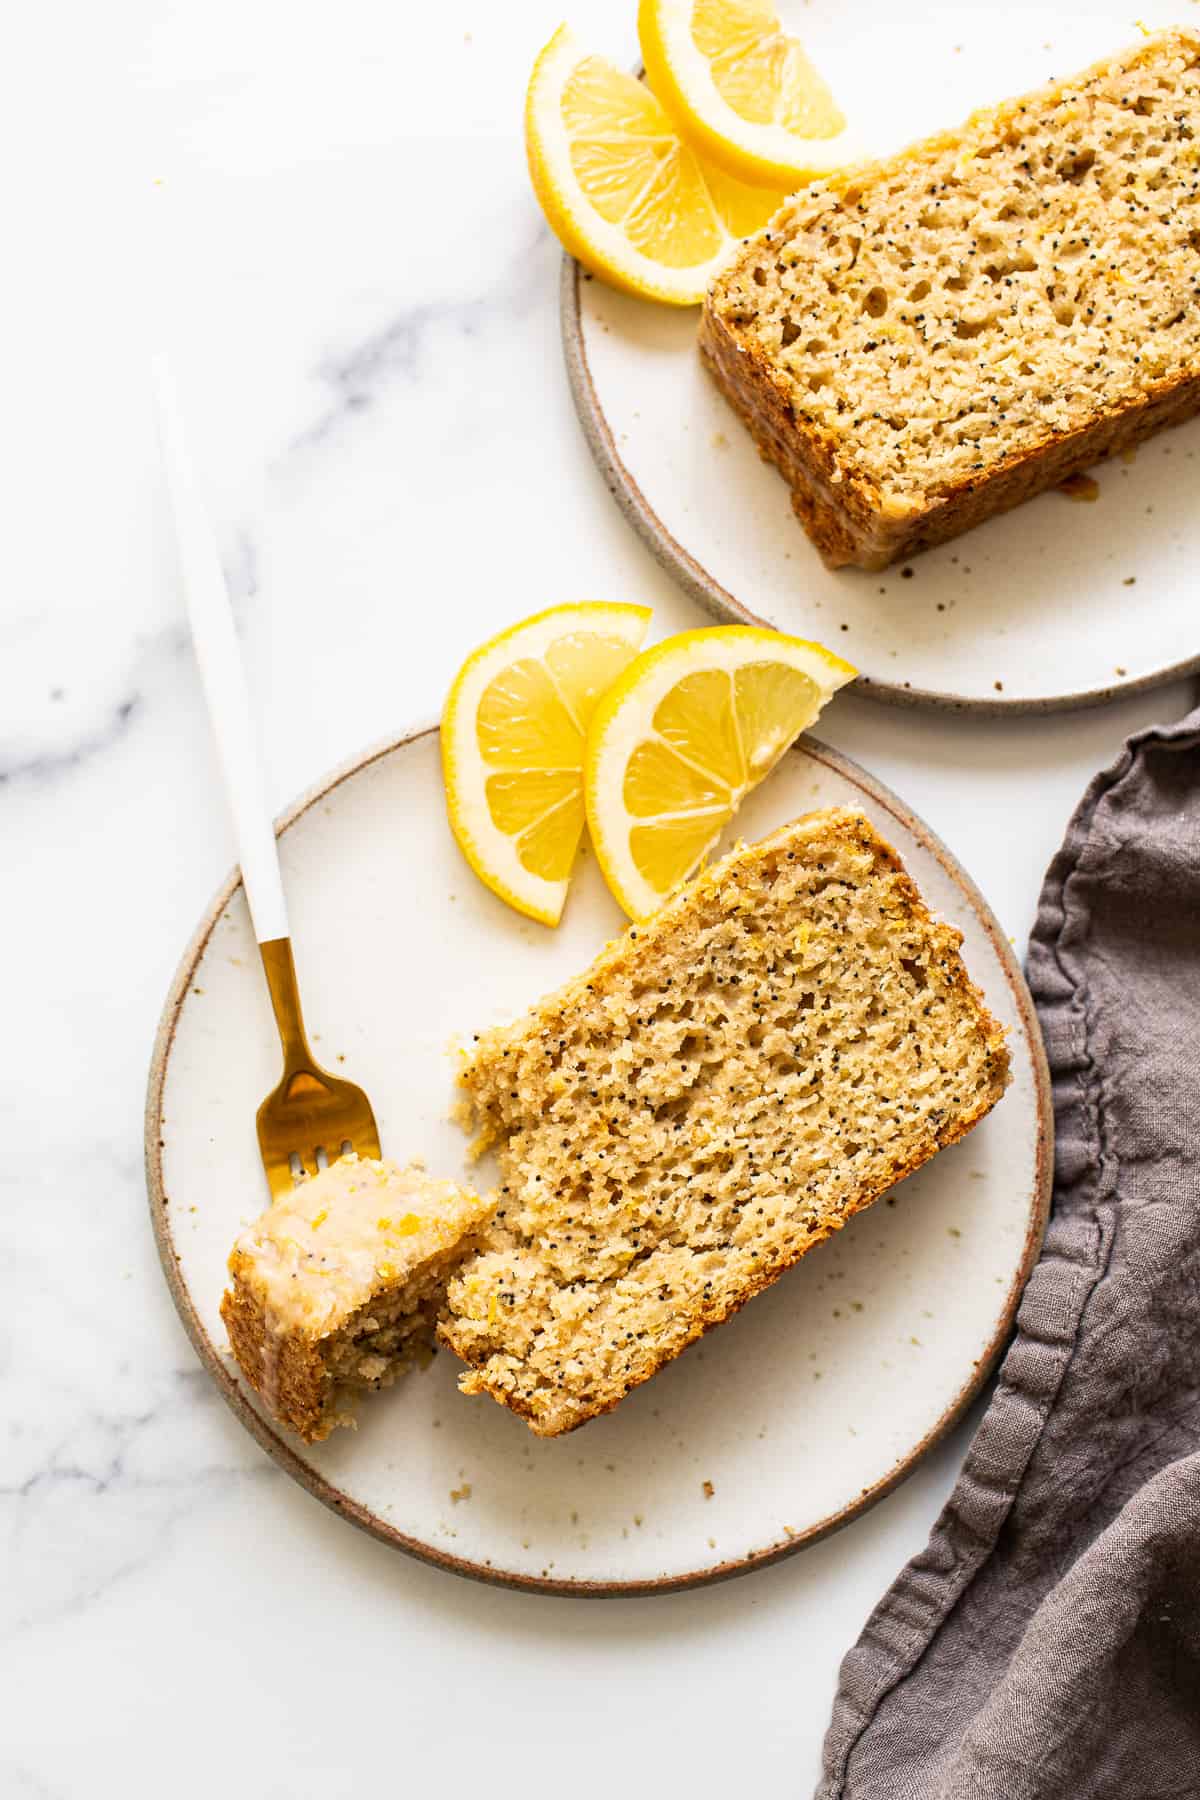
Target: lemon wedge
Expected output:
[621,189]
[513,735]
[744,93]
[679,740]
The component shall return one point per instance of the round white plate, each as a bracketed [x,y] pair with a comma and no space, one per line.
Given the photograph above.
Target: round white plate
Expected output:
[1056,604]
[800,1412]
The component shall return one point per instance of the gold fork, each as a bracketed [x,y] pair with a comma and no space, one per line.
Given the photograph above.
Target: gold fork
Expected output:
[312,1117]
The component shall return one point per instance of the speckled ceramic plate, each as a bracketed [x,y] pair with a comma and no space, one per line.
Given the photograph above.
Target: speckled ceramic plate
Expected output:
[797,1414]
[1057,604]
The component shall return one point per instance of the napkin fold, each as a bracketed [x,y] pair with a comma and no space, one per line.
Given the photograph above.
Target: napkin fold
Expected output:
[1046,1644]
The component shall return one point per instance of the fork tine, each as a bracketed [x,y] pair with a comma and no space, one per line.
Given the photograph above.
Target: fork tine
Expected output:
[369,1145]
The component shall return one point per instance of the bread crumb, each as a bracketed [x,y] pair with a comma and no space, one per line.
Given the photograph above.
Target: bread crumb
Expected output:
[707,1489]
[461,1493]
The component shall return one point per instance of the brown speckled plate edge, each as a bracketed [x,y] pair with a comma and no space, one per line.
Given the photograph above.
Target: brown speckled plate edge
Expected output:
[338,1502]
[696,581]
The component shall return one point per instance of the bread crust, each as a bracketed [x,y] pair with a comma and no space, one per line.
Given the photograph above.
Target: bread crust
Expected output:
[287,1371]
[843,518]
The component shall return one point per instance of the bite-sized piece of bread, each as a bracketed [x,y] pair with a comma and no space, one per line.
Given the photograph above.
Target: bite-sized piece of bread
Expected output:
[726,1085]
[337,1287]
[922,342]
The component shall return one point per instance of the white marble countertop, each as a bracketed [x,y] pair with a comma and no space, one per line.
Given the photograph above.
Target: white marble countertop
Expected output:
[326,216]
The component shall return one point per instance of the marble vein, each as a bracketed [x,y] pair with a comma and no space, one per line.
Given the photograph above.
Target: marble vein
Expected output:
[45,765]
[64,750]
[157,1465]
[19,1778]
[396,350]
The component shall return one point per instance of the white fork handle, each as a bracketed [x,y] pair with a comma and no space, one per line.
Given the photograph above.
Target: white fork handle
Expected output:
[221,671]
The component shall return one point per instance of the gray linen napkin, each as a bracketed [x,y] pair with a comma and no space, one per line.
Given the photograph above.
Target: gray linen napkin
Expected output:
[1046,1644]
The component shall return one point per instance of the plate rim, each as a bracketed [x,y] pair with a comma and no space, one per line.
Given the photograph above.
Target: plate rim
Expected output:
[331,1496]
[699,585]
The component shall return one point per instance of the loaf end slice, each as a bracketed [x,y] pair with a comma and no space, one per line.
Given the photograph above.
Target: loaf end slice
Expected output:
[725,1086]
[335,1290]
[922,342]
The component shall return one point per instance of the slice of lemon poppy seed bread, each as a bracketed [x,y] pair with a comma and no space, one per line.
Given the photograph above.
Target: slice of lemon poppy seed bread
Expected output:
[336,1288]
[921,342]
[726,1085]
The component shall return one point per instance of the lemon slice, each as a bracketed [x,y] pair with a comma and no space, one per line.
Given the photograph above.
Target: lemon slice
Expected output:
[513,735]
[680,739]
[745,94]
[621,189]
